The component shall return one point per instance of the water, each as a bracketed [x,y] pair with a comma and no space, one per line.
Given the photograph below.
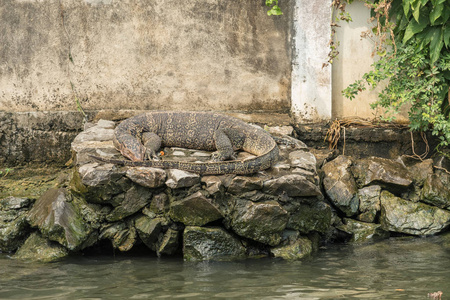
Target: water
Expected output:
[393,269]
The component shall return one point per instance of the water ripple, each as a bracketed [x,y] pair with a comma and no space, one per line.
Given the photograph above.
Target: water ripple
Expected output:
[394,269]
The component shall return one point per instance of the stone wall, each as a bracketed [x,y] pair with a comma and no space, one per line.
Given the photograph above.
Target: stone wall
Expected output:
[137,54]
[37,137]
[308,198]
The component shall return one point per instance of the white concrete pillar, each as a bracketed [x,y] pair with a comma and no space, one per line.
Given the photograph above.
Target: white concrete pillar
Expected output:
[311,82]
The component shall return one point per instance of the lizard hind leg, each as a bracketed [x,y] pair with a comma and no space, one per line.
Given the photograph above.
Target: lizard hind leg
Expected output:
[152,143]
[224,147]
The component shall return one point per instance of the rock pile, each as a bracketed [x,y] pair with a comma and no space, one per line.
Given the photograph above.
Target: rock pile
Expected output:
[277,212]
[377,196]
[280,212]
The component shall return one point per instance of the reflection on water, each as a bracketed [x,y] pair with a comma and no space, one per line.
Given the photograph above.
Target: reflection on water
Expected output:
[394,269]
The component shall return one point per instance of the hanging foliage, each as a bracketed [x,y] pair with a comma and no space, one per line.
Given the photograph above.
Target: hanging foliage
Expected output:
[413,44]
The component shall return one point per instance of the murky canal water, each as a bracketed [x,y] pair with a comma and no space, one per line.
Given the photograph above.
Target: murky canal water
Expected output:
[393,269]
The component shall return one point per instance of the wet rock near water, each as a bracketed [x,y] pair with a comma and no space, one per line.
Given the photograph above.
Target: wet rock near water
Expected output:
[404,216]
[59,217]
[211,243]
[293,246]
[38,248]
[14,227]
[385,195]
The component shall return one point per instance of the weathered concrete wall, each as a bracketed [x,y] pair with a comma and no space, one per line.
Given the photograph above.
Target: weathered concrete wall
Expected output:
[353,61]
[140,54]
[311,82]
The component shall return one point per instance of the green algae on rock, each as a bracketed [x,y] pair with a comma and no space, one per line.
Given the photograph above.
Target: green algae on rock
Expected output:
[38,248]
[363,232]
[261,221]
[404,216]
[294,247]
[14,227]
[210,243]
[58,215]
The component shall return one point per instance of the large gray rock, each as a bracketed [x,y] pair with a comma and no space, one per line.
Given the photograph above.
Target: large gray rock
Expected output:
[389,173]
[180,179]
[94,175]
[308,217]
[149,230]
[170,242]
[362,232]
[436,190]
[262,221]
[294,247]
[14,227]
[102,131]
[38,248]
[403,216]
[303,159]
[194,210]
[101,184]
[369,203]
[204,243]
[59,217]
[242,184]
[135,199]
[148,177]
[292,185]
[123,235]
[340,186]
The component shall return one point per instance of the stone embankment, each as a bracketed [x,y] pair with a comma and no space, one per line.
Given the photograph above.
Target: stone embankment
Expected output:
[306,199]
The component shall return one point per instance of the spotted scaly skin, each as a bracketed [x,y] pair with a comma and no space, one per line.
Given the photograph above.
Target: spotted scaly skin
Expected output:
[195,130]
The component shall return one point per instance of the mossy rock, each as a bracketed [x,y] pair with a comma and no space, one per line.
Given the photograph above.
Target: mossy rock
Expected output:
[38,248]
[194,210]
[404,216]
[363,232]
[308,217]
[210,243]
[294,250]
[59,217]
[262,221]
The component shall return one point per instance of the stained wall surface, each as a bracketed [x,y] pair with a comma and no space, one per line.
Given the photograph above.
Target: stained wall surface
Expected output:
[219,55]
[355,58]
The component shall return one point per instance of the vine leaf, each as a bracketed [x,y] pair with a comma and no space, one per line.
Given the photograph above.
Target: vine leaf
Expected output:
[437,42]
[413,28]
[416,9]
[436,12]
[276,11]
[447,36]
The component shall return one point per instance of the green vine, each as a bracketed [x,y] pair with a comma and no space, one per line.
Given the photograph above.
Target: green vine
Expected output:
[275,9]
[413,42]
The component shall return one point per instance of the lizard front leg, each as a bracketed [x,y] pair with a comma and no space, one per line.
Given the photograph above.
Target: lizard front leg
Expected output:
[224,146]
[152,143]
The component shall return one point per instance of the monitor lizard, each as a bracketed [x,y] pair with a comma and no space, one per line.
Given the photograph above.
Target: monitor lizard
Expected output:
[138,138]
